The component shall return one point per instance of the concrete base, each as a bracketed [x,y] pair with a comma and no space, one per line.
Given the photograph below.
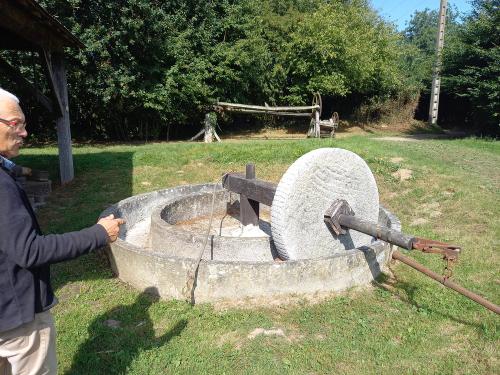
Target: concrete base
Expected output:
[220,281]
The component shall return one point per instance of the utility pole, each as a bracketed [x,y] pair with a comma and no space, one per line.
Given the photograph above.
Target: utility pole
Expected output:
[436,78]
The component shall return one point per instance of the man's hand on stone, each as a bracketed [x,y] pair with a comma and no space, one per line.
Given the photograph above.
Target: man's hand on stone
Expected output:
[112,226]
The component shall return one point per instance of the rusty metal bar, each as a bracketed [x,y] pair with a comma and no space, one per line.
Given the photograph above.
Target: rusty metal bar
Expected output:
[446,282]
[375,230]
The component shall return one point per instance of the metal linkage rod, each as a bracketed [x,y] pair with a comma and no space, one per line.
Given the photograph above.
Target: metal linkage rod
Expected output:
[446,282]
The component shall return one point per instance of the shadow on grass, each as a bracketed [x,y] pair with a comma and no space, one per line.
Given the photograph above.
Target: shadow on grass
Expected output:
[119,335]
[393,285]
[420,130]
[101,179]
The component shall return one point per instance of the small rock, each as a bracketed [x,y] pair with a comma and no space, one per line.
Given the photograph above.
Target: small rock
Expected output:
[112,323]
[146,183]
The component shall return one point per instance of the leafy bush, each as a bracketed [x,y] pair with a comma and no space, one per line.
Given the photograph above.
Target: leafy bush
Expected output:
[150,65]
[472,73]
[470,87]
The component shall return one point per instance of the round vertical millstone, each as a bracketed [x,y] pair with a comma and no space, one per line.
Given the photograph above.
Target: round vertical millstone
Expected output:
[307,190]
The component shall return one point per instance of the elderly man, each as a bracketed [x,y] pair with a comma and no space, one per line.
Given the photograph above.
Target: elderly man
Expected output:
[27,334]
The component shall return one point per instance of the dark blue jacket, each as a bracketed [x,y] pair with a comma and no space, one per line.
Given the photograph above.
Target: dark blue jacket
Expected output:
[25,255]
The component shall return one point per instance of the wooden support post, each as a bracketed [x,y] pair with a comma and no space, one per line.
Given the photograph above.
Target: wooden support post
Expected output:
[249,209]
[209,136]
[197,135]
[57,75]
[317,132]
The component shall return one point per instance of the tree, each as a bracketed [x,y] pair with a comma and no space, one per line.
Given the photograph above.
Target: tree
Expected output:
[420,34]
[149,65]
[472,72]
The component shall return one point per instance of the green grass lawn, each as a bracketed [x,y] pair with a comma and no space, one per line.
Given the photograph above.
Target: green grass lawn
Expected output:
[406,323]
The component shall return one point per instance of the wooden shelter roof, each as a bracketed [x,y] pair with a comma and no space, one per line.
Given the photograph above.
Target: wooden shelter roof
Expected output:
[25,25]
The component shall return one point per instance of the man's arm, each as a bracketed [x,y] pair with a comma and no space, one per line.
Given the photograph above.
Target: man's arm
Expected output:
[22,244]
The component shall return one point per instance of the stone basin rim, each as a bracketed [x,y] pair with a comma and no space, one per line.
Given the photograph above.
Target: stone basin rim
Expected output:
[115,209]
[234,281]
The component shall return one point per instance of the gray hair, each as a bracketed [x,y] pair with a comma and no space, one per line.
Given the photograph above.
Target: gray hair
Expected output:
[4,94]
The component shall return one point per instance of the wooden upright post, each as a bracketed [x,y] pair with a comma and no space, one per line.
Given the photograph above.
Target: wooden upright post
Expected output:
[249,209]
[209,136]
[66,169]
[317,132]
[57,77]
[436,78]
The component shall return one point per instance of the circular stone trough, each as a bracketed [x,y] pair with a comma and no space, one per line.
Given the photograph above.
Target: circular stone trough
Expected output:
[166,229]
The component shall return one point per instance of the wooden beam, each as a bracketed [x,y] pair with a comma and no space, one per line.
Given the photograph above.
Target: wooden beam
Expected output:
[197,135]
[249,208]
[46,61]
[317,131]
[25,85]
[58,78]
[267,108]
[28,20]
[255,189]
[263,112]
[209,134]
[12,41]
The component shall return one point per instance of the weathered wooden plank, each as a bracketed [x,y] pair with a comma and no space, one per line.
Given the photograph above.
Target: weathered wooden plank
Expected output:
[249,208]
[35,25]
[269,112]
[197,135]
[58,76]
[316,124]
[258,190]
[209,136]
[46,61]
[217,136]
[25,85]
[267,108]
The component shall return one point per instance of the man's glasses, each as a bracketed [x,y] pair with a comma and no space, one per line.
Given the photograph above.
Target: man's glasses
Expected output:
[16,125]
